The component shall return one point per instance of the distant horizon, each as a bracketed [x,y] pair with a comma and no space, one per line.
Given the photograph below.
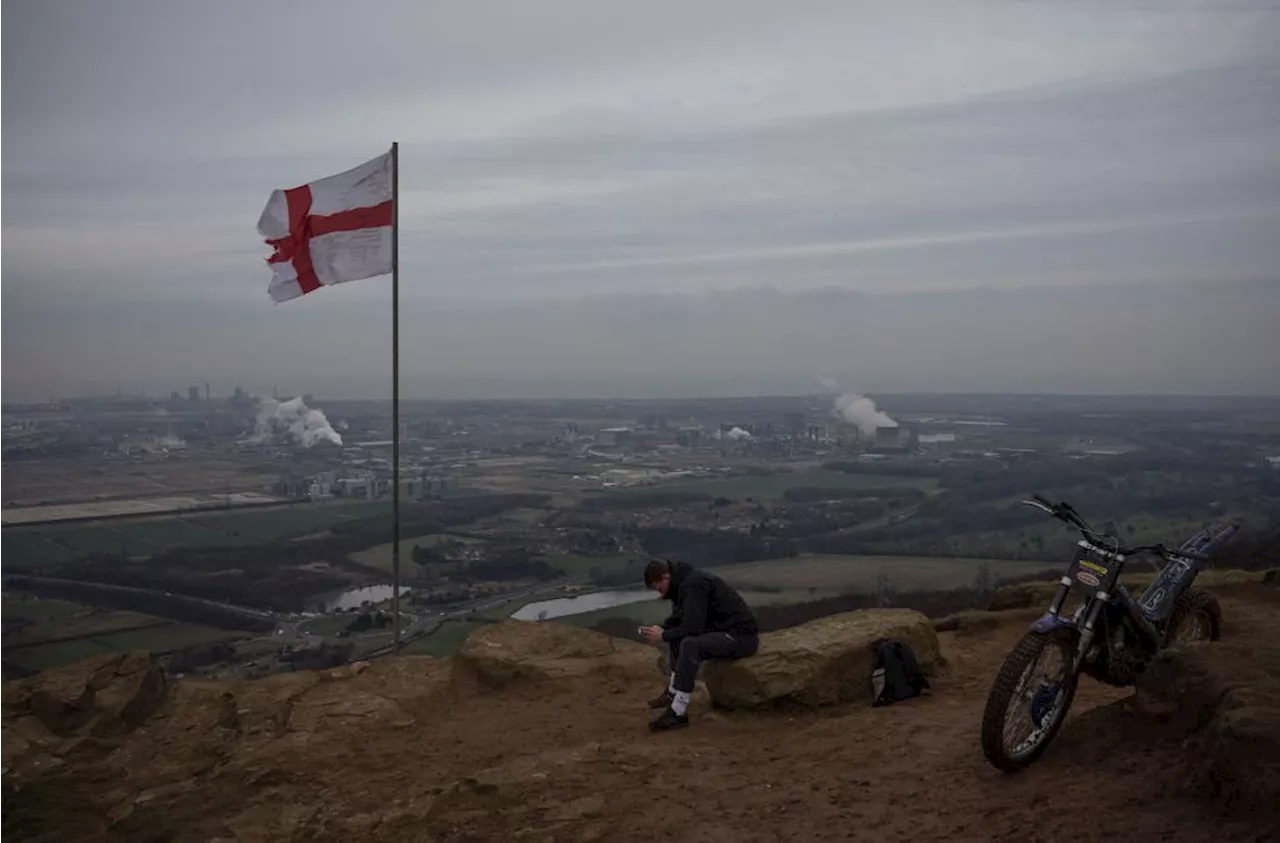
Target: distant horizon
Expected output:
[321,396]
[1194,339]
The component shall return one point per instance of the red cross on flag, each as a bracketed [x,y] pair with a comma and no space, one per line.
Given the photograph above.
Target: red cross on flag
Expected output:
[330,231]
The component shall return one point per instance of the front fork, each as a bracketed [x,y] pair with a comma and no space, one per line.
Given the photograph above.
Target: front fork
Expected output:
[1083,622]
[1090,616]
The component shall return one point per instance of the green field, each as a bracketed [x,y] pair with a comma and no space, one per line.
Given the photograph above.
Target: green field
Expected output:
[166,639]
[54,655]
[31,619]
[773,486]
[579,567]
[32,549]
[829,575]
[52,545]
[104,630]
[38,610]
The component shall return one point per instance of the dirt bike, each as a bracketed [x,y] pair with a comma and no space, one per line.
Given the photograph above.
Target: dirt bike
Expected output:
[1111,637]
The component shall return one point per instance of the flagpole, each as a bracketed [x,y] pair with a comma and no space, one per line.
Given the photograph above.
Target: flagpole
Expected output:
[395,394]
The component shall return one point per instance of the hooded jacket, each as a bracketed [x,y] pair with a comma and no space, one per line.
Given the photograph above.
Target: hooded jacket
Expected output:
[702,602]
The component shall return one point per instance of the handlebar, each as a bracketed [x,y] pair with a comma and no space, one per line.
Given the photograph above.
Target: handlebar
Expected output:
[1066,513]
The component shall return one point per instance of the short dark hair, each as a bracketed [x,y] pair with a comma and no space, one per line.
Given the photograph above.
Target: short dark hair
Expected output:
[655,570]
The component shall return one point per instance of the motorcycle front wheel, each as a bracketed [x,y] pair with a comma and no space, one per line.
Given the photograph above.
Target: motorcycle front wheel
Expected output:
[1029,699]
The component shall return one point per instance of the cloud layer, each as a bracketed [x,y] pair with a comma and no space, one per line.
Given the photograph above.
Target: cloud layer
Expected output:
[566,149]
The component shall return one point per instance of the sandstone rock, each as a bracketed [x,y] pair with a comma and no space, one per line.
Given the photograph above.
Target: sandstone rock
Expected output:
[506,652]
[1226,698]
[102,695]
[1181,687]
[1241,747]
[822,662]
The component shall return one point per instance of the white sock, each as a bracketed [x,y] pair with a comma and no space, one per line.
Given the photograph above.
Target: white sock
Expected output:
[671,685]
[681,703]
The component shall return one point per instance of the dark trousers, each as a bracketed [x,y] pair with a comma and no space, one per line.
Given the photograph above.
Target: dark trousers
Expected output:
[688,654]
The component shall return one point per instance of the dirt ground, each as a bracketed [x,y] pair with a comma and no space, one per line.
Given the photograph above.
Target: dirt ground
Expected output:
[410,751]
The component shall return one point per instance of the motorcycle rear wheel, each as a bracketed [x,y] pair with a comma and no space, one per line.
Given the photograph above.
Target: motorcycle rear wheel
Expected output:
[1011,692]
[1196,617]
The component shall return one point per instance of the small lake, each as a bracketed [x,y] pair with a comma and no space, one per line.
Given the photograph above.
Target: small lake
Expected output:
[565,606]
[356,597]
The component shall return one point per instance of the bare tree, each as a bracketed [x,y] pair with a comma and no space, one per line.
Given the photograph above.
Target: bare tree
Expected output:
[982,586]
[885,590]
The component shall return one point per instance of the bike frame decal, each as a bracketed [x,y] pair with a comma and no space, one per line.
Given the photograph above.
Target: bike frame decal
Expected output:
[1157,601]
[1094,569]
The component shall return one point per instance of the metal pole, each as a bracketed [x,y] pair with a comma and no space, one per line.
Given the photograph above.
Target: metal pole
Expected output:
[395,395]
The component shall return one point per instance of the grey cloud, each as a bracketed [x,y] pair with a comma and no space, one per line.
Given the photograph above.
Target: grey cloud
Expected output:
[569,149]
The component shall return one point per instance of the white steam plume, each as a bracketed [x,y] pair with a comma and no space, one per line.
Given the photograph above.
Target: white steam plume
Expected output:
[305,424]
[861,411]
[737,434]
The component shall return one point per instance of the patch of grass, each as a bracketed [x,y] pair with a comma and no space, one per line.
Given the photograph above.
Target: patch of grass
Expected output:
[824,576]
[177,532]
[55,655]
[773,486]
[281,524]
[579,567]
[53,545]
[39,609]
[327,625]
[99,539]
[446,640]
[166,639]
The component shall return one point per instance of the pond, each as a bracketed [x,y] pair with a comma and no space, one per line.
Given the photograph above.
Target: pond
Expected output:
[356,597]
[564,606]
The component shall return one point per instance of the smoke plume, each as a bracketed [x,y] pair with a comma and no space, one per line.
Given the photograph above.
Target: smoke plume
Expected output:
[861,411]
[305,424]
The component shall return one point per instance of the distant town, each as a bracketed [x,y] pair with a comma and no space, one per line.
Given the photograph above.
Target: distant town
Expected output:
[244,535]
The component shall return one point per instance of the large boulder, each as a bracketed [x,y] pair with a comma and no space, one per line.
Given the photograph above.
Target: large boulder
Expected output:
[502,653]
[822,662]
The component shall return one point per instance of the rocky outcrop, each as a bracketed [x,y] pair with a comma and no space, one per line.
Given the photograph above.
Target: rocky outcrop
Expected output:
[100,696]
[1225,698]
[107,750]
[507,652]
[822,662]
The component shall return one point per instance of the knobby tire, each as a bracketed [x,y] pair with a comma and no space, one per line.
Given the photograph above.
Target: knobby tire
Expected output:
[1026,653]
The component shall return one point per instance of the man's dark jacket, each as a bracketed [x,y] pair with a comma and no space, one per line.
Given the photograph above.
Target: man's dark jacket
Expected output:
[702,602]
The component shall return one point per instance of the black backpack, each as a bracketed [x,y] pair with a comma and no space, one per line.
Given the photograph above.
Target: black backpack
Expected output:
[895,673]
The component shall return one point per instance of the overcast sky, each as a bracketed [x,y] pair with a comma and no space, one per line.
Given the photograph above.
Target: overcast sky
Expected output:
[556,150]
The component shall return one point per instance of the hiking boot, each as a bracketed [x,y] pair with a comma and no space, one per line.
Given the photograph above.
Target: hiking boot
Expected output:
[669,720]
[663,700]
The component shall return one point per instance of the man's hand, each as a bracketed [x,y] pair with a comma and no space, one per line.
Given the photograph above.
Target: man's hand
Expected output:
[652,634]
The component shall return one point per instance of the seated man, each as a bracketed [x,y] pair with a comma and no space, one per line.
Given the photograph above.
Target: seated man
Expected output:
[710,621]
